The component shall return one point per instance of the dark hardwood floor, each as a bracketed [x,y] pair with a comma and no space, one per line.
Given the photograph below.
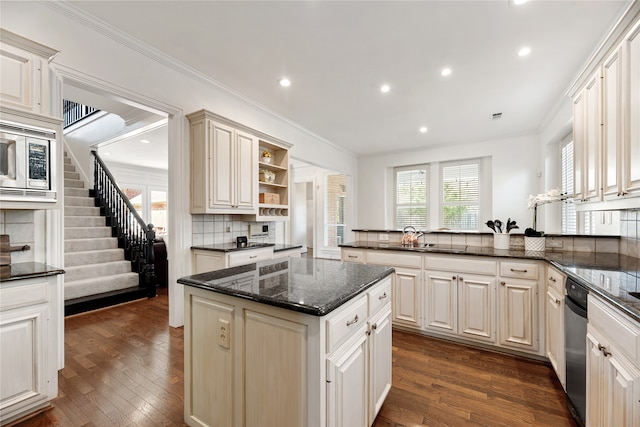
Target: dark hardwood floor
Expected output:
[124,367]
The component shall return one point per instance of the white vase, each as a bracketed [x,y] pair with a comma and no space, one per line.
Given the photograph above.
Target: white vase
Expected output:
[501,241]
[536,244]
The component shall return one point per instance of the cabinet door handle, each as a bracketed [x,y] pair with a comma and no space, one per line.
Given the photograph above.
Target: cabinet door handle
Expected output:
[383,296]
[374,326]
[453,277]
[352,256]
[503,283]
[461,278]
[604,350]
[253,256]
[515,270]
[552,279]
[557,301]
[351,322]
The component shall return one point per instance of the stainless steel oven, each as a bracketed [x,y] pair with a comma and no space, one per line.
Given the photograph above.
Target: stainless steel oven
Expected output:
[26,169]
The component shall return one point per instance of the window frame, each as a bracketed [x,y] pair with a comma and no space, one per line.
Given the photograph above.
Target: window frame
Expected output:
[396,170]
[479,162]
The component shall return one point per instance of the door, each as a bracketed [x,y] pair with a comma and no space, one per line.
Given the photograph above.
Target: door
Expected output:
[347,383]
[555,334]
[246,181]
[593,128]
[596,401]
[221,166]
[632,143]
[612,135]
[441,301]
[476,296]
[518,314]
[379,361]
[406,296]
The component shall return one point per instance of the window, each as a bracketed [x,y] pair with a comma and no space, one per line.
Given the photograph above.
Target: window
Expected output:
[568,211]
[335,210]
[460,207]
[135,196]
[411,196]
[159,211]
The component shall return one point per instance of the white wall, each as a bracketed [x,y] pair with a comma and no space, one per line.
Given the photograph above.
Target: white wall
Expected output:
[96,55]
[515,167]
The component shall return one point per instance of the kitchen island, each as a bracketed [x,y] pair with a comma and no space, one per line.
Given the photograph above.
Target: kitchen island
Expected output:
[287,342]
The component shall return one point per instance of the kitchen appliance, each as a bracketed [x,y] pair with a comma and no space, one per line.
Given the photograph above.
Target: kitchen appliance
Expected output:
[410,236]
[575,317]
[242,241]
[26,169]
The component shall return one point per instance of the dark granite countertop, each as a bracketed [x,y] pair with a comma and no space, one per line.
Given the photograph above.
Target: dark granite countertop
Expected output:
[488,233]
[27,270]
[231,247]
[307,285]
[610,276]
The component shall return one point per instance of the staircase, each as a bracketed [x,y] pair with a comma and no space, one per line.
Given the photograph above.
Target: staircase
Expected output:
[96,271]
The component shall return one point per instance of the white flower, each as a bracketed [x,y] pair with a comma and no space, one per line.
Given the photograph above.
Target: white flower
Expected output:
[552,195]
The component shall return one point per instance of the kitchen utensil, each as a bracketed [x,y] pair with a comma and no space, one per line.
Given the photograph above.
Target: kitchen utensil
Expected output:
[491,225]
[410,236]
[498,225]
[511,225]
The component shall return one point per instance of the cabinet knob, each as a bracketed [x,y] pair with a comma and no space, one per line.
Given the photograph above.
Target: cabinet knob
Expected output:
[461,278]
[374,326]
[383,296]
[552,279]
[453,277]
[558,301]
[503,283]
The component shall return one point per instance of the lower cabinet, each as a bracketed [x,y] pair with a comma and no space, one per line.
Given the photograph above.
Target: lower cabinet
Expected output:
[28,353]
[460,304]
[554,337]
[613,367]
[206,260]
[407,287]
[250,364]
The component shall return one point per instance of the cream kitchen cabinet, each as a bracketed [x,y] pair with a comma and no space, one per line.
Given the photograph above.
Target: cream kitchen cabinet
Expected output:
[518,306]
[28,354]
[587,141]
[613,367]
[224,175]
[206,260]
[460,301]
[631,155]
[24,73]
[612,119]
[554,337]
[407,285]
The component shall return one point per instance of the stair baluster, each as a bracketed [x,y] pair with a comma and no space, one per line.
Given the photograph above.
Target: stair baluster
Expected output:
[133,234]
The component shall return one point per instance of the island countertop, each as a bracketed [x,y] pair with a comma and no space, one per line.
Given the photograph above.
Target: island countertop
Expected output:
[307,285]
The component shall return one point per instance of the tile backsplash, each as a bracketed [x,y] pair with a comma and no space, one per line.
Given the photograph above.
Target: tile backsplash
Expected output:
[20,226]
[217,229]
[630,233]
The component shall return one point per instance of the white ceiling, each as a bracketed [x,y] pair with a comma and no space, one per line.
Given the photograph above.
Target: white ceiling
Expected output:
[338,53]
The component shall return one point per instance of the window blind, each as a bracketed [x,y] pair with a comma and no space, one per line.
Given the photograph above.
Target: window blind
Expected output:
[411,196]
[568,220]
[461,196]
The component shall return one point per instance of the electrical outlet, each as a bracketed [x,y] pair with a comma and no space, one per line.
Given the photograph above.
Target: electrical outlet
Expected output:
[224,332]
[383,237]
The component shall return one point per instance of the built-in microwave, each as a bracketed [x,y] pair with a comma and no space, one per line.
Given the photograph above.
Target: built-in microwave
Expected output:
[25,164]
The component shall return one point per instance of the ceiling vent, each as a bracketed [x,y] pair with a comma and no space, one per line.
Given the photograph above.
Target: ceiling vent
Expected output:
[496,116]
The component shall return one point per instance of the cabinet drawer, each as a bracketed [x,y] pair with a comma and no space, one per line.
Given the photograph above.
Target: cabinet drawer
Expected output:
[394,259]
[248,256]
[23,293]
[555,280]
[347,321]
[618,329]
[352,255]
[380,295]
[460,264]
[520,270]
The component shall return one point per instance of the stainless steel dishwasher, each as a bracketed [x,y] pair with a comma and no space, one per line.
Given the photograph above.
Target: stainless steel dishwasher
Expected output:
[575,320]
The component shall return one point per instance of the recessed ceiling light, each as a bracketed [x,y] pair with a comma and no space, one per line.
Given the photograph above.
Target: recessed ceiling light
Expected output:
[445,71]
[385,88]
[518,2]
[524,51]
[285,82]
[145,141]
[423,129]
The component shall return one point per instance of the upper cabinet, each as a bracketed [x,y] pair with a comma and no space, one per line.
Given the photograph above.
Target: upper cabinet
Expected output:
[606,122]
[237,170]
[24,73]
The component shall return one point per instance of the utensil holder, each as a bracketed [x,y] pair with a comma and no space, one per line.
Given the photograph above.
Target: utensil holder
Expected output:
[501,241]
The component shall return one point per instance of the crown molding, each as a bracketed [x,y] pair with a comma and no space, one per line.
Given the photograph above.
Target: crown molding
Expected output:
[111,32]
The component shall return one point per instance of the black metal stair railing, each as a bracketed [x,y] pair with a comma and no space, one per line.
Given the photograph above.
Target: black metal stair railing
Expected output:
[134,236]
[72,112]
